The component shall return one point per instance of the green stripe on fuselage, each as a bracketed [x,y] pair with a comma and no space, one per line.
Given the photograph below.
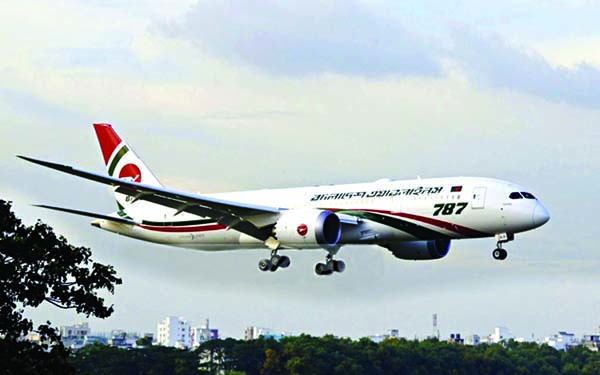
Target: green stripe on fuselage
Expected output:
[178,223]
[116,159]
[416,230]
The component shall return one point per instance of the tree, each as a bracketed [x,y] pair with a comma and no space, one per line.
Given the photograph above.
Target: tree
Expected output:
[37,266]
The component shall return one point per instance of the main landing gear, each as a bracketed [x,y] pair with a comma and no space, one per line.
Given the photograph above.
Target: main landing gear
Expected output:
[499,253]
[330,266]
[273,263]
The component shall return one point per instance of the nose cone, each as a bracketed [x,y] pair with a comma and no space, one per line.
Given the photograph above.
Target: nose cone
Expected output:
[540,215]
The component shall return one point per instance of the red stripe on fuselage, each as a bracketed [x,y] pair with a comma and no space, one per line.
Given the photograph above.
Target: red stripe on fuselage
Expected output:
[108,139]
[465,231]
[199,228]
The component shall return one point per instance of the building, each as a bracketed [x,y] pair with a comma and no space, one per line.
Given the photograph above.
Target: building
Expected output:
[74,336]
[202,334]
[561,341]
[390,334]
[122,339]
[175,332]
[253,333]
[591,342]
[500,335]
[473,340]
[76,331]
[455,338]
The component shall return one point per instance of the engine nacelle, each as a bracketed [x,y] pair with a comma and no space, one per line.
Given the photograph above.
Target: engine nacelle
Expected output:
[420,250]
[308,229]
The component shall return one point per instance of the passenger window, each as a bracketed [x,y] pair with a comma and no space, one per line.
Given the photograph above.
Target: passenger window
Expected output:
[515,195]
[527,195]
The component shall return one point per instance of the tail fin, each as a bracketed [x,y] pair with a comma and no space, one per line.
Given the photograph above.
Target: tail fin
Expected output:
[121,161]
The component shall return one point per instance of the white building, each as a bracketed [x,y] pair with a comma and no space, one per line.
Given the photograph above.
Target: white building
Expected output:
[391,334]
[561,341]
[473,340]
[253,333]
[76,331]
[500,334]
[203,333]
[174,331]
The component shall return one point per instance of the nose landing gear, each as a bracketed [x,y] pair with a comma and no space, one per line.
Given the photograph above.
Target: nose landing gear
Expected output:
[499,253]
[274,263]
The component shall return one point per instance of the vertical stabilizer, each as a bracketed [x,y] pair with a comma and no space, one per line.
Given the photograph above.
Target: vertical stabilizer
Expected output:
[122,162]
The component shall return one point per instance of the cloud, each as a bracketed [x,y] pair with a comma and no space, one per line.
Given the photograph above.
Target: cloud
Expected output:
[492,61]
[298,38]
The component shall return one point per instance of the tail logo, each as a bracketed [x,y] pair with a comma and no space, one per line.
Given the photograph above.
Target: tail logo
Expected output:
[131,172]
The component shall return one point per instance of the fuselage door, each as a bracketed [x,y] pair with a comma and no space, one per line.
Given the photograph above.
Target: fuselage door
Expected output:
[478,200]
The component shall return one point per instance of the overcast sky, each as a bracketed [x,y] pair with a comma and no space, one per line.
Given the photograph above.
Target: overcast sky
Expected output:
[221,96]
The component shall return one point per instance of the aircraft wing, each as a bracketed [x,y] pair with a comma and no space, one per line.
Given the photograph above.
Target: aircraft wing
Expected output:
[115,219]
[229,213]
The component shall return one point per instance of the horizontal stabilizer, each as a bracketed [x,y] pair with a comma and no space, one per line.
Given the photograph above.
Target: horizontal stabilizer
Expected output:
[89,214]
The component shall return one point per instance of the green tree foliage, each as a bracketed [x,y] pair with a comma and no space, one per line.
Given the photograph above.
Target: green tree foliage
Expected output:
[37,266]
[107,360]
[307,355]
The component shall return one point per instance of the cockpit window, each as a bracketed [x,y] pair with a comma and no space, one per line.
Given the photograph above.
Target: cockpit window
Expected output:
[515,195]
[527,195]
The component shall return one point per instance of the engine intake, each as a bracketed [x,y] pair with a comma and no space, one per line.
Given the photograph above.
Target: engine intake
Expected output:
[420,250]
[308,229]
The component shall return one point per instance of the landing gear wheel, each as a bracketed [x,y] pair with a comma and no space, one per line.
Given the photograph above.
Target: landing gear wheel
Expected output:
[321,269]
[264,265]
[339,266]
[276,260]
[284,262]
[500,254]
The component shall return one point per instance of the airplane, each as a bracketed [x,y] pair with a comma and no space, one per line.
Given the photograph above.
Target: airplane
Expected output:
[413,219]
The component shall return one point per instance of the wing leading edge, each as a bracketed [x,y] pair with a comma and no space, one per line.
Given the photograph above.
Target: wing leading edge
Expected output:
[229,213]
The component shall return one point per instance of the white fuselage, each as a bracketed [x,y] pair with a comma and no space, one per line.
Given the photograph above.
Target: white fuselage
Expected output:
[384,212]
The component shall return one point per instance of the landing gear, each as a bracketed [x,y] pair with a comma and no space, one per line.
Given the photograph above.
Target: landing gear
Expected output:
[499,253]
[330,266]
[273,263]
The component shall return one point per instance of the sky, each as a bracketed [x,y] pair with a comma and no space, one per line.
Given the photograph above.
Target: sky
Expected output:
[237,95]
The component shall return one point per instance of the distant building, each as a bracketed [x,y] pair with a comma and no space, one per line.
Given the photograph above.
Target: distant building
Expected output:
[455,338]
[473,340]
[175,332]
[591,342]
[122,339]
[76,331]
[74,336]
[202,334]
[561,341]
[500,335]
[392,333]
[34,337]
[253,333]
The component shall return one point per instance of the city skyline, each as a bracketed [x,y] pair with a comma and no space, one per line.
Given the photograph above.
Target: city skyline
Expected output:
[225,97]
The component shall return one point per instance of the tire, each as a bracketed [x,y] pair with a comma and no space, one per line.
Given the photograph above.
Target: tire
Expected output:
[276,260]
[339,266]
[284,262]
[264,265]
[500,254]
[321,269]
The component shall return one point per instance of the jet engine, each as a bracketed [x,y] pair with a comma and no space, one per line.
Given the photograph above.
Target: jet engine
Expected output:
[420,250]
[308,229]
